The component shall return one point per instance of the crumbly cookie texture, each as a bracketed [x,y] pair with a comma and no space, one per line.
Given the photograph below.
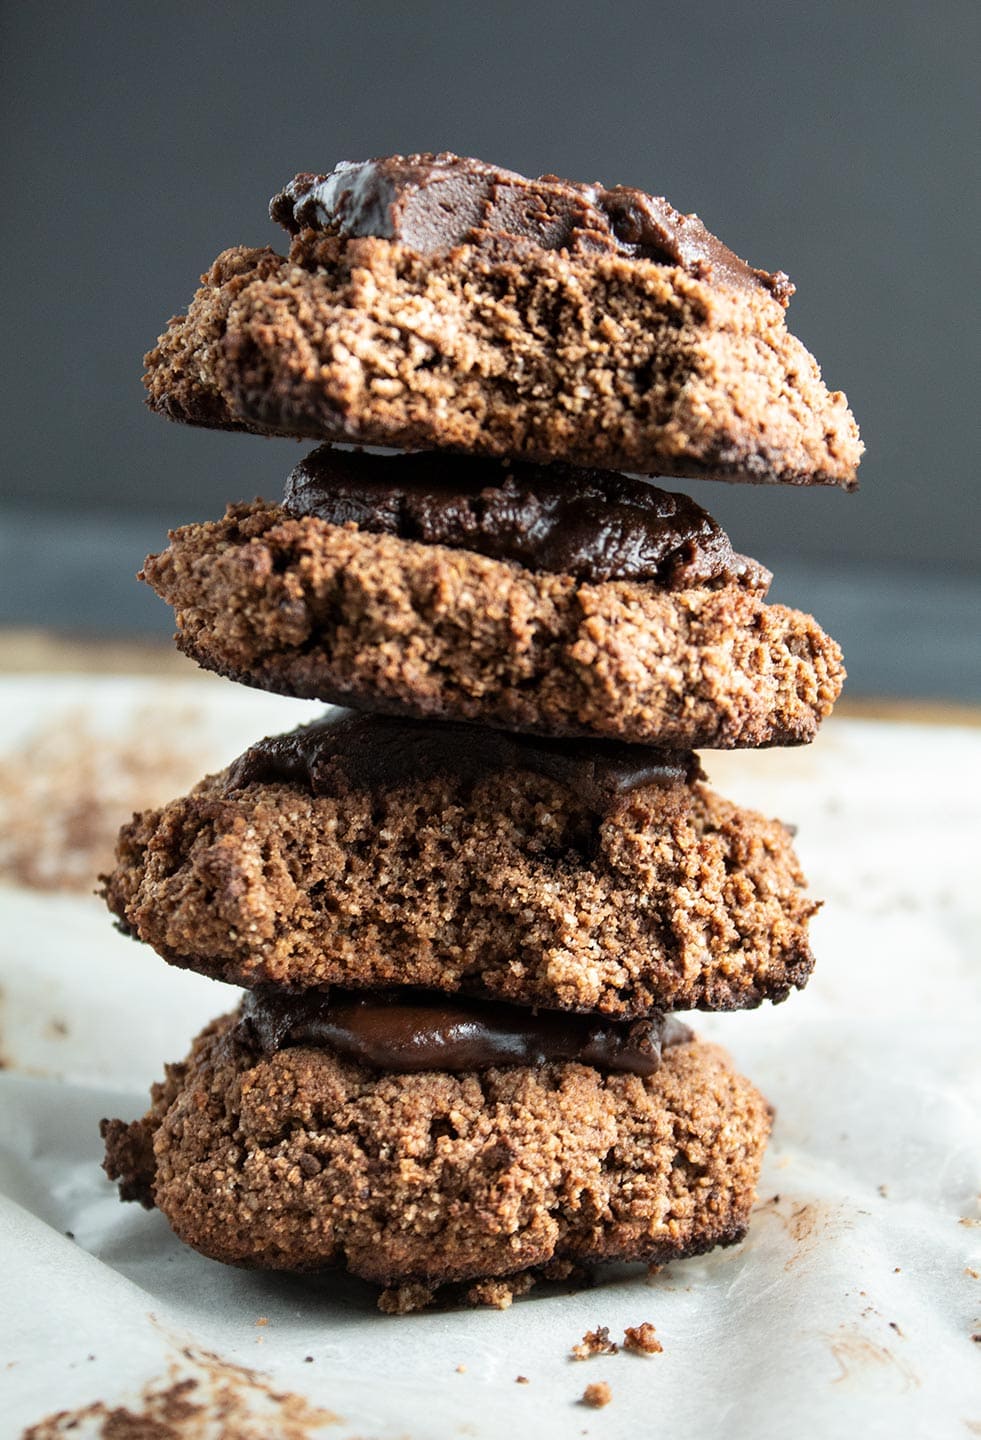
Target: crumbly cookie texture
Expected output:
[605,360]
[302,607]
[511,885]
[303,1161]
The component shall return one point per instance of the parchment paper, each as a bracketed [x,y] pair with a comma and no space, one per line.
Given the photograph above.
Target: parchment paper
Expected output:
[848,1311]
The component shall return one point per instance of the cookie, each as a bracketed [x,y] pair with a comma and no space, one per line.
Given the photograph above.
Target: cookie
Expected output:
[367,851]
[433,302]
[547,599]
[301,1159]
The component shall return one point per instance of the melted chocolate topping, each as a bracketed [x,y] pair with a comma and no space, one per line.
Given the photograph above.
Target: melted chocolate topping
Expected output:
[592,524]
[348,749]
[407,1030]
[431,203]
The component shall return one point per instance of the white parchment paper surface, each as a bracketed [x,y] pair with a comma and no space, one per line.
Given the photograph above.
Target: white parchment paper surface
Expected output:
[848,1311]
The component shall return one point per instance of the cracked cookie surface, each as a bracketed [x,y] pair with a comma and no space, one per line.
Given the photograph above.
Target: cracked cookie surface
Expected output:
[606,360]
[504,881]
[302,1161]
[330,612]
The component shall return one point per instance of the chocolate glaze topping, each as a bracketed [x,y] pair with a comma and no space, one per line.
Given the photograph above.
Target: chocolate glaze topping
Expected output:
[592,524]
[434,202]
[350,750]
[409,1030]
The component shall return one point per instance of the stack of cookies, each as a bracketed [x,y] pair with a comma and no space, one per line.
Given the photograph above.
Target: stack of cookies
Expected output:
[466,908]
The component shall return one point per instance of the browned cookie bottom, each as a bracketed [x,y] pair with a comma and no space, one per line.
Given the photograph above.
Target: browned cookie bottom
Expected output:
[303,1161]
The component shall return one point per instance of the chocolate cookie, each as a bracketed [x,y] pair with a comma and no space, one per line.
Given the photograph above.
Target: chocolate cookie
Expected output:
[300,1159]
[433,302]
[366,851]
[549,599]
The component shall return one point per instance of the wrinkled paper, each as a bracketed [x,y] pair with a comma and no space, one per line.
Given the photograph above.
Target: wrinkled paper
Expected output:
[849,1309]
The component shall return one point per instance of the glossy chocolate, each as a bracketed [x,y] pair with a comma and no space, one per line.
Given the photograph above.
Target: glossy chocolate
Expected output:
[431,203]
[350,749]
[407,1030]
[594,525]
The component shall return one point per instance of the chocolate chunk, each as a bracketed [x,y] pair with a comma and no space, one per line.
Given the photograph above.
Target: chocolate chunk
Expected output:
[404,1030]
[595,525]
[432,203]
[349,748]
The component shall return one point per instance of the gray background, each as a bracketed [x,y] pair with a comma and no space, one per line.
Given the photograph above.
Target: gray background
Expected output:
[831,141]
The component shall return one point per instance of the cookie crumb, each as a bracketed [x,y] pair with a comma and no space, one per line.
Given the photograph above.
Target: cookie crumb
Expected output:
[597,1395]
[976,1337]
[974,1274]
[521,1380]
[595,1342]
[498,1294]
[653,1270]
[262,1320]
[894,1326]
[308,1359]
[461,1369]
[642,1340]
[403,1299]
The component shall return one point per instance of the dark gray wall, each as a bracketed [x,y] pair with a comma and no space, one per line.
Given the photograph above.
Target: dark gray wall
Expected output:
[829,140]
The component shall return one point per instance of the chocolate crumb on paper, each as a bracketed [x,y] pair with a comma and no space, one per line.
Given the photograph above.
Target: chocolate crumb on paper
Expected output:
[201,1395]
[596,1395]
[642,1339]
[595,1342]
[67,789]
